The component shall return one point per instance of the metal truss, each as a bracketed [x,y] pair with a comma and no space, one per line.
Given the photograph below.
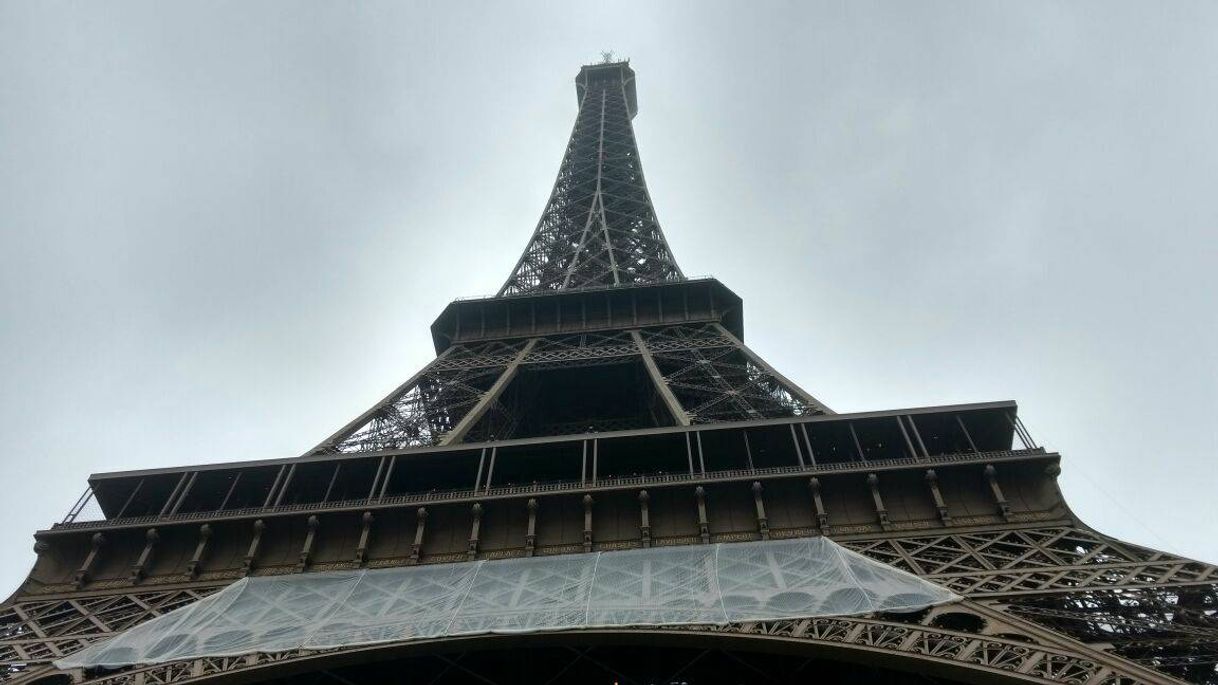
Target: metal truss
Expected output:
[1145,606]
[598,227]
[716,378]
[581,349]
[701,371]
[1157,609]
[598,230]
[1006,562]
[424,413]
[424,409]
[33,633]
[1172,629]
[1045,603]
[1002,650]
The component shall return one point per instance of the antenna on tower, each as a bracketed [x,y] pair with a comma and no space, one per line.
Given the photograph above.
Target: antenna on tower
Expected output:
[606,56]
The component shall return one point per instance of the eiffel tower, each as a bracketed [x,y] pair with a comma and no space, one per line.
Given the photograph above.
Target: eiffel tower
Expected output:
[604,405]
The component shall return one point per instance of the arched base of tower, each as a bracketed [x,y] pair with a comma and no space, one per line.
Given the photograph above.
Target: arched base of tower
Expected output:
[620,663]
[870,650]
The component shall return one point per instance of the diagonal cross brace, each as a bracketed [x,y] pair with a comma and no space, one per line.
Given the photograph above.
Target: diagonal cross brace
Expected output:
[670,400]
[458,433]
[753,357]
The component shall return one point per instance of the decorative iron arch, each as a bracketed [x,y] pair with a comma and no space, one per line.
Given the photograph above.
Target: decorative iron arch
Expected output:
[889,644]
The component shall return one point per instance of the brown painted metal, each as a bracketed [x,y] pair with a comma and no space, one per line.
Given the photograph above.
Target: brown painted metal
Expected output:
[686,437]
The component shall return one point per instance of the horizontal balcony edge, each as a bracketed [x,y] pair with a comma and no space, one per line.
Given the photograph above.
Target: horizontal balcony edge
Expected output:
[549,440]
[558,488]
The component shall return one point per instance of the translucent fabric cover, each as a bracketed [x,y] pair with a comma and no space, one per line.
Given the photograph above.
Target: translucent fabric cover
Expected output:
[703,584]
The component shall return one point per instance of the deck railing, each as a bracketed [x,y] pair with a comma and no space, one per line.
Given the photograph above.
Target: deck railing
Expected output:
[85,513]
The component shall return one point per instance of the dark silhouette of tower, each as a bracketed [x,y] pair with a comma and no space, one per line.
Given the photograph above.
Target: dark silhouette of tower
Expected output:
[604,401]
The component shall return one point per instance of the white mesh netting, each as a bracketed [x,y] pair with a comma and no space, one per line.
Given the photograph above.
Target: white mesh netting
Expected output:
[703,584]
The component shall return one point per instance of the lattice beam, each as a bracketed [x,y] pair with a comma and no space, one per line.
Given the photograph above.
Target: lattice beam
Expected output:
[1001,658]
[715,378]
[1148,606]
[599,227]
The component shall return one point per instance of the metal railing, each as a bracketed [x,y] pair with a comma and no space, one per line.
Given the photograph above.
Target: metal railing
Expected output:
[75,521]
[589,288]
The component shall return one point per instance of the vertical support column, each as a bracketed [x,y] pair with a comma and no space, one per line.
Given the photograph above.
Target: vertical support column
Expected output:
[306,550]
[703,524]
[799,453]
[763,523]
[173,495]
[82,574]
[913,426]
[471,418]
[141,564]
[196,561]
[932,481]
[1022,433]
[231,489]
[644,519]
[657,380]
[803,428]
[689,454]
[587,523]
[967,435]
[251,554]
[991,477]
[913,454]
[136,490]
[416,549]
[190,483]
[287,480]
[270,494]
[474,531]
[490,470]
[881,513]
[481,463]
[338,466]
[80,504]
[583,464]
[858,446]
[530,537]
[818,505]
[376,479]
[701,458]
[1031,444]
[393,460]
[365,535]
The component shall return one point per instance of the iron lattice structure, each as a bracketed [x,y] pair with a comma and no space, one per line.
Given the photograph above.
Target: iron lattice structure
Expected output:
[476,392]
[603,401]
[599,227]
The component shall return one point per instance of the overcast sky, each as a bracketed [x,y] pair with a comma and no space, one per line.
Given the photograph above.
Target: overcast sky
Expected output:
[226,227]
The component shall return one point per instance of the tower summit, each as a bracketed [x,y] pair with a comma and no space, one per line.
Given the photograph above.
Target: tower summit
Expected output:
[599,227]
[596,480]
